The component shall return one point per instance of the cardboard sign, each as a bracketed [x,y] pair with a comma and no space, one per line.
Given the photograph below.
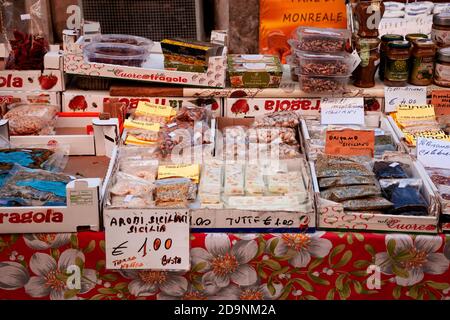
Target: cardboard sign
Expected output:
[191,171]
[148,109]
[408,113]
[395,96]
[147,239]
[342,111]
[440,99]
[433,153]
[350,142]
[279,18]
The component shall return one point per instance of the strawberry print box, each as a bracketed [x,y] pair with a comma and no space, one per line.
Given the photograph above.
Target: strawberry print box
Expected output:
[32,80]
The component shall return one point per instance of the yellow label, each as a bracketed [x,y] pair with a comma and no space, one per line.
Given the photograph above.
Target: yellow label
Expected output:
[411,138]
[135,141]
[145,108]
[408,113]
[191,171]
[136,124]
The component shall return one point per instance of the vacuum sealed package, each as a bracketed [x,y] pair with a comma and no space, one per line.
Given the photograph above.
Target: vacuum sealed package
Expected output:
[138,153]
[254,180]
[288,119]
[234,179]
[173,192]
[350,192]
[367,204]
[193,114]
[272,134]
[34,187]
[31,119]
[129,191]
[146,169]
[346,181]
[26,28]
[210,187]
[406,198]
[390,170]
[335,166]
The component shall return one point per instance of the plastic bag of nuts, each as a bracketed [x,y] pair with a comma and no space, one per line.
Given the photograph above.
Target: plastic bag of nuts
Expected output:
[287,119]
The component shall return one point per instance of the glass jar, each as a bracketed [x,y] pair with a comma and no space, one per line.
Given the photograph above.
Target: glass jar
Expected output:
[364,74]
[442,68]
[421,62]
[396,65]
[383,48]
[414,36]
[440,32]
[368,14]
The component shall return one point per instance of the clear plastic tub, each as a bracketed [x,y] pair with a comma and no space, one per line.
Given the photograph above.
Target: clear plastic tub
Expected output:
[116,53]
[325,40]
[123,39]
[323,64]
[321,84]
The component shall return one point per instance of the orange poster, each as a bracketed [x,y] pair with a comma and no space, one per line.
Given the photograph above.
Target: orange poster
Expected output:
[350,142]
[440,99]
[279,18]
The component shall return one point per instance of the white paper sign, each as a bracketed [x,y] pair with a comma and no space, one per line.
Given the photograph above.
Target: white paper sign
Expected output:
[395,96]
[433,153]
[147,239]
[342,111]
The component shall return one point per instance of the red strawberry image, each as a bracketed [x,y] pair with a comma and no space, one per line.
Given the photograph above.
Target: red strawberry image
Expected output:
[240,106]
[78,103]
[48,81]
[214,106]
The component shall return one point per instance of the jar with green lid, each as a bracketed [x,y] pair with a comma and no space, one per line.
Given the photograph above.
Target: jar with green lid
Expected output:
[396,66]
[422,62]
[383,47]
[414,36]
[442,68]
[364,74]
[440,32]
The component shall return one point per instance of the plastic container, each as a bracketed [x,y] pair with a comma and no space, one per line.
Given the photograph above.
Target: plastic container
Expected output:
[325,40]
[123,39]
[323,64]
[322,84]
[117,53]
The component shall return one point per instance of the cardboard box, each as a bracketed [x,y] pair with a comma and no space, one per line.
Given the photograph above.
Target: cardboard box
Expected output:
[32,80]
[92,101]
[82,211]
[152,70]
[331,215]
[53,98]
[372,120]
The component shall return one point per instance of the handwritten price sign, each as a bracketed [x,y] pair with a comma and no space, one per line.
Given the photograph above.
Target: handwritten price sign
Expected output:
[147,239]
[395,96]
[350,142]
[342,111]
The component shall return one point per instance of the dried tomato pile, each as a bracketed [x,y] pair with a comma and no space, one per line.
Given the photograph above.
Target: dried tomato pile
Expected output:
[27,52]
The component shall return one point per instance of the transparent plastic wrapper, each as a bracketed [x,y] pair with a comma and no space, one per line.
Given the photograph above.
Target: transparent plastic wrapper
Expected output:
[132,153]
[115,53]
[278,183]
[384,143]
[346,181]
[323,64]
[350,192]
[406,199]
[288,151]
[335,166]
[146,169]
[124,39]
[126,184]
[149,118]
[272,134]
[370,203]
[234,179]
[193,114]
[210,186]
[325,40]
[254,180]
[390,170]
[172,192]
[34,187]
[441,178]
[27,36]
[323,84]
[288,119]
[31,119]
[266,203]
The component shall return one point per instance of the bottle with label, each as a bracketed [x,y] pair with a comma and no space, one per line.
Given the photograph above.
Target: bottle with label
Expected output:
[364,74]
[440,32]
[396,65]
[383,48]
[422,62]
[368,14]
[442,68]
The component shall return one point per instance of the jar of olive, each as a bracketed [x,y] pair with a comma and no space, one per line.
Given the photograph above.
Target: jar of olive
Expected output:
[383,48]
[396,66]
[421,62]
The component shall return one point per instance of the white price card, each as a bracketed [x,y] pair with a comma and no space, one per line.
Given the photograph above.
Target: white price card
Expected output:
[395,96]
[342,111]
[155,239]
[433,153]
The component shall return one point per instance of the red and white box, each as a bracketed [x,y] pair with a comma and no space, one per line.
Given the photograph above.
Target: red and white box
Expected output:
[81,101]
[41,97]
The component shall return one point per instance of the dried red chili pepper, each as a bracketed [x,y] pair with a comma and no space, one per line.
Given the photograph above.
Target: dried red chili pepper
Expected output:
[27,52]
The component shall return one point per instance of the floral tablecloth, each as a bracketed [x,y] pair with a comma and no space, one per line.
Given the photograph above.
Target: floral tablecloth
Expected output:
[324,265]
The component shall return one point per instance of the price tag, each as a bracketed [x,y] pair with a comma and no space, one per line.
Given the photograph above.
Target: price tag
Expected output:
[147,239]
[408,113]
[24,17]
[440,99]
[395,96]
[191,171]
[145,108]
[350,142]
[355,60]
[342,111]
[433,153]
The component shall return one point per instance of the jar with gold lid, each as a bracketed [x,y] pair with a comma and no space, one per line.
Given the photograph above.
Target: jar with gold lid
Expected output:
[385,39]
[396,64]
